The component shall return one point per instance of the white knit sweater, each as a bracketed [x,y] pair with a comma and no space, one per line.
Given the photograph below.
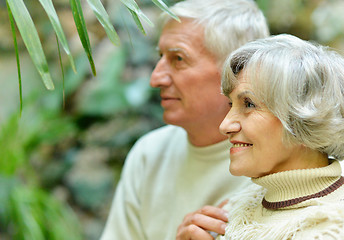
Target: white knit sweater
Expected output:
[318,218]
[164,178]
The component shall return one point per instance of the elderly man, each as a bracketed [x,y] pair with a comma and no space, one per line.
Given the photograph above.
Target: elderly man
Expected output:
[183,166]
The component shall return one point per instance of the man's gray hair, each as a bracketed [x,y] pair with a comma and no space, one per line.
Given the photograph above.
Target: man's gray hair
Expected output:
[301,83]
[228,24]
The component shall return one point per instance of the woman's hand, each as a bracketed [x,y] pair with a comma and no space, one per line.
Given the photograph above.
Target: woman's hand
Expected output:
[198,224]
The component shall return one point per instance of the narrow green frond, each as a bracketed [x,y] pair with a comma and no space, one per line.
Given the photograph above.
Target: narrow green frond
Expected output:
[165,8]
[133,7]
[127,30]
[137,21]
[82,31]
[145,18]
[62,72]
[104,20]
[51,12]
[31,39]
[17,56]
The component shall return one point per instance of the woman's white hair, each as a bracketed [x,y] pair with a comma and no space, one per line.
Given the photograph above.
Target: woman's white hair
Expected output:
[301,83]
[228,24]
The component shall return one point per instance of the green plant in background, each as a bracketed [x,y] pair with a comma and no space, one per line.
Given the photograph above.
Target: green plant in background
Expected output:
[41,149]
[27,212]
[30,213]
[321,21]
[19,15]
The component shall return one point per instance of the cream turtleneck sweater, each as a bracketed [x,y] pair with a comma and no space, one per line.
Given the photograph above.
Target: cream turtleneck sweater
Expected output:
[321,216]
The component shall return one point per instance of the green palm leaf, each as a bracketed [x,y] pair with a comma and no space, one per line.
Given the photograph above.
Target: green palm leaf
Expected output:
[17,56]
[62,73]
[137,21]
[31,39]
[165,8]
[50,10]
[136,14]
[82,31]
[104,20]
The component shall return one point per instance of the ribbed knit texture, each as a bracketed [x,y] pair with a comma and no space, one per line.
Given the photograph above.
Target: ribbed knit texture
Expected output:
[292,184]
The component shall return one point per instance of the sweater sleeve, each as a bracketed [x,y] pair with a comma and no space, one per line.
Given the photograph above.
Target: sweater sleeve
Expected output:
[124,218]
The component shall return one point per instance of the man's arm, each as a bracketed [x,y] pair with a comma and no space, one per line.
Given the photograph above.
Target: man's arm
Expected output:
[124,218]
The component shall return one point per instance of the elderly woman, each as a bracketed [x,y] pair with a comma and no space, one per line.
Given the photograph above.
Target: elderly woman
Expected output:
[286,128]
[286,123]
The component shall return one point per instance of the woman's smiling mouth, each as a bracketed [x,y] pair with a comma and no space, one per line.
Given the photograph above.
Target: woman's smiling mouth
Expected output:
[238,147]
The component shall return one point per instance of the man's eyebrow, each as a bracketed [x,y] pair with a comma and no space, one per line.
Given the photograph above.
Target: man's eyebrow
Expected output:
[176,49]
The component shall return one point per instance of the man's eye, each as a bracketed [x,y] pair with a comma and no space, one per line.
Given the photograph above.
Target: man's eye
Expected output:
[178,61]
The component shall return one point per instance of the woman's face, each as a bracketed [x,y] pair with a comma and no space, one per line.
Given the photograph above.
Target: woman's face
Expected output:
[256,136]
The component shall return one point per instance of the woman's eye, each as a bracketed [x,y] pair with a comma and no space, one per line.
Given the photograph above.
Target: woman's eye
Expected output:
[249,104]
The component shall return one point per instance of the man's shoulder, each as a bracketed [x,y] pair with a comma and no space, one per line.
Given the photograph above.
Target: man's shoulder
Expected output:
[166,133]
[160,143]
[162,140]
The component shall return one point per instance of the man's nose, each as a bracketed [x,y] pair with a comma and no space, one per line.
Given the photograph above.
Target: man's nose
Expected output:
[230,124]
[161,75]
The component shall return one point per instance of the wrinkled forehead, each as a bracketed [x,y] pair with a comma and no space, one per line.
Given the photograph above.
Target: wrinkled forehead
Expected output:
[232,77]
[241,83]
[253,69]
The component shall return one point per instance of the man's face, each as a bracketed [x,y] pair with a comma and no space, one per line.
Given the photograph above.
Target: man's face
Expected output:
[188,77]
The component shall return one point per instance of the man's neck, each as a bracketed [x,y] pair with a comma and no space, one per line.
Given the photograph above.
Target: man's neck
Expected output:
[202,138]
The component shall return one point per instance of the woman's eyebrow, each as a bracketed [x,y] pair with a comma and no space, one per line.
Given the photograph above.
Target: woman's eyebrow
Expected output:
[242,94]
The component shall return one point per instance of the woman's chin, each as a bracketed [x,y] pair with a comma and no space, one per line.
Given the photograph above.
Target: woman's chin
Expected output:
[236,171]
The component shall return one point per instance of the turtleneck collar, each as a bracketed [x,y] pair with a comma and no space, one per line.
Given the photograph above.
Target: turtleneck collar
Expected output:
[212,152]
[298,183]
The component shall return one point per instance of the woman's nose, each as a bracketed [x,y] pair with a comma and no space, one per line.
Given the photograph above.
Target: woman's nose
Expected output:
[161,75]
[230,124]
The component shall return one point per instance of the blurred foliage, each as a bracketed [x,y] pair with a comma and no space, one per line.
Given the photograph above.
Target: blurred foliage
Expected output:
[27,211]
[30,213]
[55,159]
[317,20]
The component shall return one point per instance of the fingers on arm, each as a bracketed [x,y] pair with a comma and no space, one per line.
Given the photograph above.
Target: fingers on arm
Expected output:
[223,203]
[195,225]
[214,212]
[210,219]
